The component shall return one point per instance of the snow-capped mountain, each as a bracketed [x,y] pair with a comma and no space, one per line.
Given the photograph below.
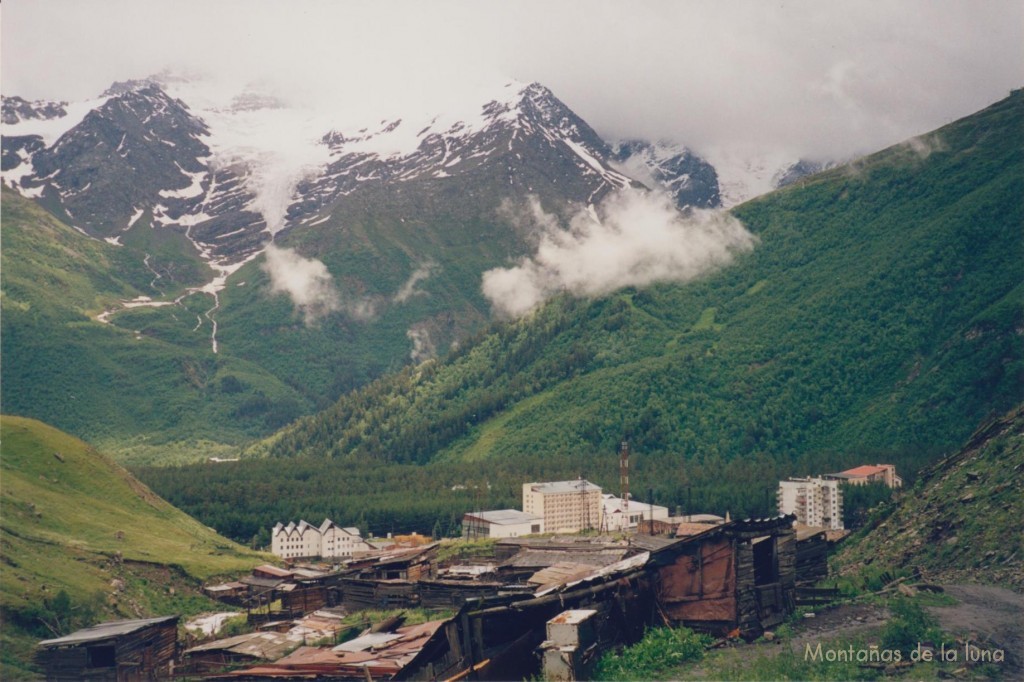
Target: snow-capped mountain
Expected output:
[16,109]
[524,136]
[234,175]
[136,153]
[743,175]
[688,178]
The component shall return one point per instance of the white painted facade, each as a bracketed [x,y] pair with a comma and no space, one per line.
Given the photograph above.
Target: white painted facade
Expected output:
[304,540]
[503,523]
[815,501]
[566,506]
[617,516]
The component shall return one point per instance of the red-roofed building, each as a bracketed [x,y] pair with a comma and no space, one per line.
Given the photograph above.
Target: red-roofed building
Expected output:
[862,475]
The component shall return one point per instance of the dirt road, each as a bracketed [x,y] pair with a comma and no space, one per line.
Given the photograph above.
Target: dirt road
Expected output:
[992,616]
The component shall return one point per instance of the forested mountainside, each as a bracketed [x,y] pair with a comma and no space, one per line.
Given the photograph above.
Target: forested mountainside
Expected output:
[879,317]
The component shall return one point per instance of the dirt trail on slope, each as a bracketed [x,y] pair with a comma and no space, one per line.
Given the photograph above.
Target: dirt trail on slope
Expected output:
[991,616]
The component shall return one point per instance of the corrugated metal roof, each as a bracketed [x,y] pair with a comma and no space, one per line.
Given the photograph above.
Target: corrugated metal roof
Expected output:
[256,581]
[620,567]
[504,517]
[273,570]
[109,630]
[373,640]
[559,573]
[385,661]
[268,646]
[537,558]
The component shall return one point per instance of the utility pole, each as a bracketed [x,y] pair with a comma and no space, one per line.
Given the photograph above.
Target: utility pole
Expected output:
[650,501]
[624,475]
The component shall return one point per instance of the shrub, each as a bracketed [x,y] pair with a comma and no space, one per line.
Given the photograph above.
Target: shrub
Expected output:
[660,651]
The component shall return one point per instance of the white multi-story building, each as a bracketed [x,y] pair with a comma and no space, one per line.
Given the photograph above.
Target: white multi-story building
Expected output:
[566,506]
[815,501]
[304,540]
[502,523]
[617,516]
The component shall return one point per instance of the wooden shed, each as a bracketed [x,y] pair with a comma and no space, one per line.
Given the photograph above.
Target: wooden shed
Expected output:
[740,576]
[119,651]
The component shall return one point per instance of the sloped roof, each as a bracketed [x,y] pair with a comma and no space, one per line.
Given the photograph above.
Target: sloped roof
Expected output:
[273,570]
[384,657]
[116,628]
[864,470]
[268,646]
[538,558]
[505,517]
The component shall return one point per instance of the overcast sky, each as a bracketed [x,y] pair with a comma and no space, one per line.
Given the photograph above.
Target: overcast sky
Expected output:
[820,79]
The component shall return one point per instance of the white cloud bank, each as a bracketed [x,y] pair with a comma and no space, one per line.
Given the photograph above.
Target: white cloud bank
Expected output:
[634,238]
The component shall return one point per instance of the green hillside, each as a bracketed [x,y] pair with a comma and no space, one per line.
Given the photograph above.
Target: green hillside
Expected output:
[961,522]
[83,540]
[878,318]
[122,387]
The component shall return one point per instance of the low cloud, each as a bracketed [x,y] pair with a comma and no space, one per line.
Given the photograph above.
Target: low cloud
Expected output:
[408,289]
[306,281]
[423,347]
[634,238]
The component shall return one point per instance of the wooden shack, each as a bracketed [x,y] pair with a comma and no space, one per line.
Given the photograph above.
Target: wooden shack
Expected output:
[359,594]
[739,576]
[407,564]
[811,555]
[119,651]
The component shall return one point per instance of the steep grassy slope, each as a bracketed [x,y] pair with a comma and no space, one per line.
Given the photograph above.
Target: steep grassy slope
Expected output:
[962,522]
[879,316]
[75,522]
[119,386]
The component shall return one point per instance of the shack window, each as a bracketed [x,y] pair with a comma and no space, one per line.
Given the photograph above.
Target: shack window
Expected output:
[766,564]
[102,657]
[535,528]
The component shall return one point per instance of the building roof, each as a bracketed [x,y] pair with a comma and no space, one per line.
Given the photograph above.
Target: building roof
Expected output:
[864,470]
[538,558]
[579,485]
[268,646]
[613,505]
[376,656]
[268,569]
[559,574]
[505,517]
[257,581]
[689,529]
[109,630]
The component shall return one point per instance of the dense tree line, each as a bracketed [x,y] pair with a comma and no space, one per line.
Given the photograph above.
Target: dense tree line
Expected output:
[243,500]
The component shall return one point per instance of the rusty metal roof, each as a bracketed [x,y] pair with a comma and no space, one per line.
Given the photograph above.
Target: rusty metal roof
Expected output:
[273,571]
[268,646]
[560,573]
[116,628]
[542,558]
[384,659]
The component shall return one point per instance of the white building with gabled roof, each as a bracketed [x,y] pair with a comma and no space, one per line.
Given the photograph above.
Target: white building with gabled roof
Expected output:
[619,516]
[501,523]
[304,540]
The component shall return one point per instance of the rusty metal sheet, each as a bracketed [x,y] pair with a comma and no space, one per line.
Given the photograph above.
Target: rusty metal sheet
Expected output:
[700,586]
